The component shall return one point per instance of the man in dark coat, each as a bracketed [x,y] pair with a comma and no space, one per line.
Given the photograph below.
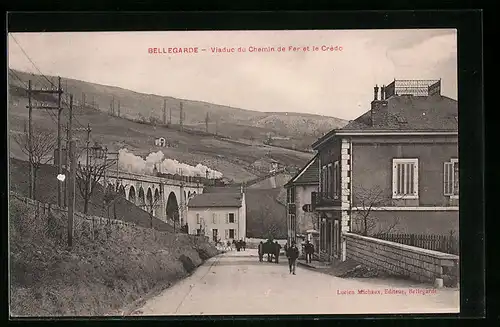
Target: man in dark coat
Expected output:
[309,249]
[261,250]
[292,254]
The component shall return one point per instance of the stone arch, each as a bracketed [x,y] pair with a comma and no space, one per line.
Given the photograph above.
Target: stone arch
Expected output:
[157,195]
[172,207]
[131,194]
[141,200]
[149,196]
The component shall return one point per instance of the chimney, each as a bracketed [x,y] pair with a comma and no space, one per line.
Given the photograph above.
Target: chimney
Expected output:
[375,93]
[378,107]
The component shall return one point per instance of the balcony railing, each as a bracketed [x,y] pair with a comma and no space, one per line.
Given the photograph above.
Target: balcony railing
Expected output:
[322,199]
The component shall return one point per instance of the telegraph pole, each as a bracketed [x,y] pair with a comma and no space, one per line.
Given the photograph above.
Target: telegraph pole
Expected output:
[87,184]
[59,109]
[59,139]
[30,121]
[71,193]
[68,141]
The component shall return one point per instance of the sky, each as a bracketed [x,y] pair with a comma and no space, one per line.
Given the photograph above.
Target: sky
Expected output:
[331,83]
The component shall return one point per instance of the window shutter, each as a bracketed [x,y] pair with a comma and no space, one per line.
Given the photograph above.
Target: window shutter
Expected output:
[226,233]
[227,218]
[395,176]
[448,178]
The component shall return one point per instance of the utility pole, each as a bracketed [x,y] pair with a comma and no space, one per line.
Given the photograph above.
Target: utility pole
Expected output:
[30,121]
[87,185]
[59,139]
[164,111]
[207,119]
[59,109]
[71,197]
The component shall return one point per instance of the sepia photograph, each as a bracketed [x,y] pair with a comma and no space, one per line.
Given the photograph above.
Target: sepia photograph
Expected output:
[195,173]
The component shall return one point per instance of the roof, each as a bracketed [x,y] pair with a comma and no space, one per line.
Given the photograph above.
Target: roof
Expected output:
[308,175]
[225,199]
[407,113]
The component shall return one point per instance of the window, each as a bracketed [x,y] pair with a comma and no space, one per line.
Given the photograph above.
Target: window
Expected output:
[214,218]
[292,224]
[198,221]
[405,178]
[292,195]
[231,233]
[231,218]
[336,180]
[451,178]
[323,180]
[329,175]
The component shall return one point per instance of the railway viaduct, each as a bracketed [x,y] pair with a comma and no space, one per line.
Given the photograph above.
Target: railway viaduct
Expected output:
[166,198]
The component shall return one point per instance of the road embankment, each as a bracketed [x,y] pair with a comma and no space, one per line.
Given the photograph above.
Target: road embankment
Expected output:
[107,269]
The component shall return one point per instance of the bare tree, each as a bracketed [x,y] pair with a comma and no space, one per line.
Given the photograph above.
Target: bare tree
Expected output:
[362,218]
[43,143]
[89,175]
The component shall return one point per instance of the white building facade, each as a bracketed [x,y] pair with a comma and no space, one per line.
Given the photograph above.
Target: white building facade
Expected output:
[219,216]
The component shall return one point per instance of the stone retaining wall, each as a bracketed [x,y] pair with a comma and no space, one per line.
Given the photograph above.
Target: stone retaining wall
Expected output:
[403,260]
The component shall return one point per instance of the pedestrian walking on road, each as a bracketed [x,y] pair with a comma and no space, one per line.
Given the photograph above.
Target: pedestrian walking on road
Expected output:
[261,250]
[309,249]
[292,254]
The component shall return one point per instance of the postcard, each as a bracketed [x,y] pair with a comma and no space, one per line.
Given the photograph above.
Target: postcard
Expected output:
[192,173]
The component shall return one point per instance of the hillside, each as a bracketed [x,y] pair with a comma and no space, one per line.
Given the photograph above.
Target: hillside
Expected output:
[231,122]
[266,216]
[234,159]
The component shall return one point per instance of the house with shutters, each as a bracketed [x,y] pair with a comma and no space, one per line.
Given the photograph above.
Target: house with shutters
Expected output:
[219,216]
[302,222]
[394,169]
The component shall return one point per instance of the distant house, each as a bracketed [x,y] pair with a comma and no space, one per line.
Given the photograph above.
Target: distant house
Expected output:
[220,216]
[160,142]
[394,168]
[301,220]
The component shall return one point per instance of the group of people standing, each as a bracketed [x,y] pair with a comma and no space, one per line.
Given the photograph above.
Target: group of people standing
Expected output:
[272,249]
